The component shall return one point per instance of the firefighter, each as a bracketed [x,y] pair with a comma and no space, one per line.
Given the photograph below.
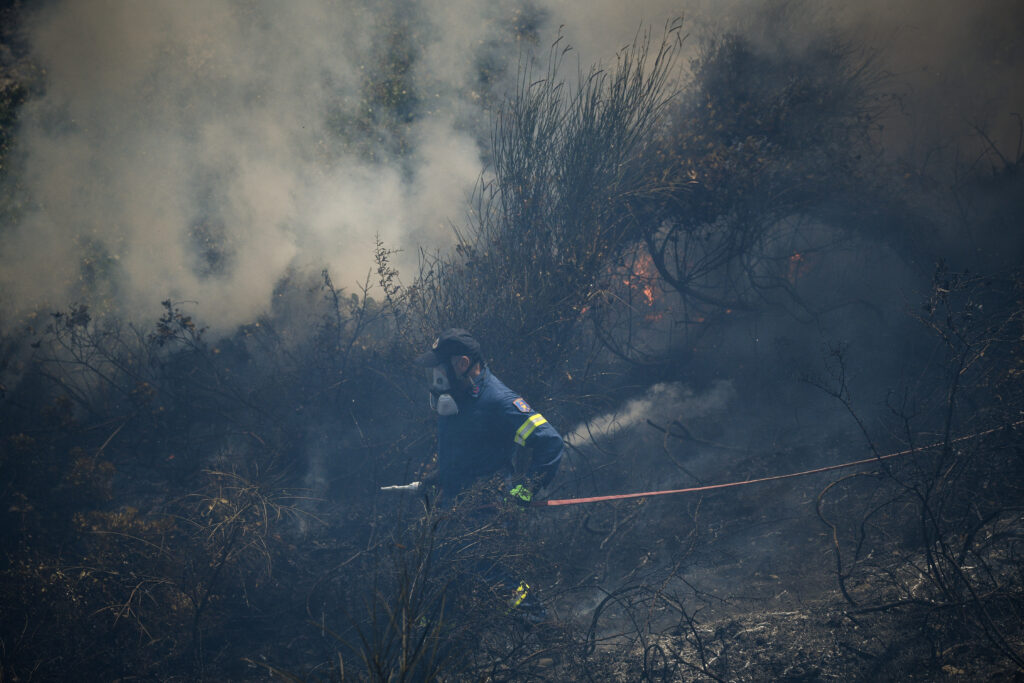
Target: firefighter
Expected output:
[481,423]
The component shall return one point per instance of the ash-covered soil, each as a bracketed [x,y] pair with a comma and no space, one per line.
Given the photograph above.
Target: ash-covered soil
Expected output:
[758,600]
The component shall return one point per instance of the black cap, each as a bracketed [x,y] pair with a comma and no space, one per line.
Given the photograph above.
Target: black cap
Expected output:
[453,342]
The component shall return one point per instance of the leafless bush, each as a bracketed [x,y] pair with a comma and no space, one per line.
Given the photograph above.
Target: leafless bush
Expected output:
[154,480]
[545,229]
[436,596]
[658,618]
[934,537]
[768,159]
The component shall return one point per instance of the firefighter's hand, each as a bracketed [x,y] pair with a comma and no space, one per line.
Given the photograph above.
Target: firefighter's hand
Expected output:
[411,487]
[521,495]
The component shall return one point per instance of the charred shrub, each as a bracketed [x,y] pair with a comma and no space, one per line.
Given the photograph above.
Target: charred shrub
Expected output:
[932,540]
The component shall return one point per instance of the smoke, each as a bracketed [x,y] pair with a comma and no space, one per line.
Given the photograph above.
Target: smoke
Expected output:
[961,64]
[954,65]
[662,403]
[204,151]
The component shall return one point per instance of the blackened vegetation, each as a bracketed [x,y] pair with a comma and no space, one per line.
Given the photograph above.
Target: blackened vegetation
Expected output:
[763,146]
[932,543]
[176,507]
[547,226]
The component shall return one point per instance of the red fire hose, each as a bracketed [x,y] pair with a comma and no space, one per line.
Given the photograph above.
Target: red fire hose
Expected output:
[731,484]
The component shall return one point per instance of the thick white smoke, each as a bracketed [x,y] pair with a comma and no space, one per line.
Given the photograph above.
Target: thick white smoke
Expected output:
[202,151]
[661,404]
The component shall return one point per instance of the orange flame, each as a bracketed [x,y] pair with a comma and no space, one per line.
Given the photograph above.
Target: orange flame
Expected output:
[641,277]
[798,266]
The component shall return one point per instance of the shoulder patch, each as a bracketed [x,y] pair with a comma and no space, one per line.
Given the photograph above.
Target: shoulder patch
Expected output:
[522,406]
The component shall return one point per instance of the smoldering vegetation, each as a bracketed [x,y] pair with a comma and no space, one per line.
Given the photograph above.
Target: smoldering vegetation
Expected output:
[716,256]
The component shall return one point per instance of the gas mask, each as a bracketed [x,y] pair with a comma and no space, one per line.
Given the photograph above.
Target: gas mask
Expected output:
[441,398]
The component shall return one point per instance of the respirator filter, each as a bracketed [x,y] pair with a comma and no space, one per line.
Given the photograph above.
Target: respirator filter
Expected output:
[441,399]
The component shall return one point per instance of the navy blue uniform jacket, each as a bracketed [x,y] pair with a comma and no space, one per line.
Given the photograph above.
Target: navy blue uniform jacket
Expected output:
[480,441]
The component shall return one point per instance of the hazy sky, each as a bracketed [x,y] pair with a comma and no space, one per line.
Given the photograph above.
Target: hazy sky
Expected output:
[201,151]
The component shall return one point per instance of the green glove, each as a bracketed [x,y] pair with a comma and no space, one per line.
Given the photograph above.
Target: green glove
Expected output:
[521,495]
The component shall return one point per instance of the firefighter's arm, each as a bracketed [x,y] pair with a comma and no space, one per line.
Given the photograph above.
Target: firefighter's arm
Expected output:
[546,448]
[545,445]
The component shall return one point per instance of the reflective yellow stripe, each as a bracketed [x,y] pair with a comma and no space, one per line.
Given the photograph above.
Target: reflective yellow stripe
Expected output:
[524,431]
[521,592]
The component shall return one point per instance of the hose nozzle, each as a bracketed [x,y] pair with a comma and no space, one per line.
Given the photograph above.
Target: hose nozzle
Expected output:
[411,487]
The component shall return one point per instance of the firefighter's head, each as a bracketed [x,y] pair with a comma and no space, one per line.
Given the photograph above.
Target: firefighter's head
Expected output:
[452,362]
